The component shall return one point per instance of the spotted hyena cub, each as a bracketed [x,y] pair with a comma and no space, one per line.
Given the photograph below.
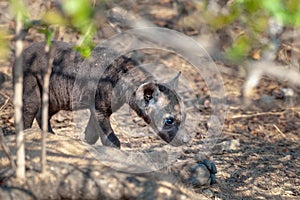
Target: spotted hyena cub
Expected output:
[121,82]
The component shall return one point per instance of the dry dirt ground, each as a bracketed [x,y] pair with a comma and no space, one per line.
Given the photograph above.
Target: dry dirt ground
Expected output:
[257,155]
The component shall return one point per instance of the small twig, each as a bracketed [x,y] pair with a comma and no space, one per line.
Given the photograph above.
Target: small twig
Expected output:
[6,96]
[50,52]
[87,34]
[7,151]
[4,105]
[281,133]
[262,113]
[231,133]
[255,115]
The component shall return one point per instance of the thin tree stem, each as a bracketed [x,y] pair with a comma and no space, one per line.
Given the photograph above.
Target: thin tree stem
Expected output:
[50,52]
[18,103]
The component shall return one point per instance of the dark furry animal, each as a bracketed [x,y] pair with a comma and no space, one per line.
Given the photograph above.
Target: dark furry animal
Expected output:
[121,82]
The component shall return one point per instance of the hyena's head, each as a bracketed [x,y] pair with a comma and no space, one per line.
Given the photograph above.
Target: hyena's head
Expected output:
[161,107]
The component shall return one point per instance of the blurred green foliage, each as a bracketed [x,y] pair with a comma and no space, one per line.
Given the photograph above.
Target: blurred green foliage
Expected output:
[3,44]
[80,14]
[19,8]
[75,14]
[252,17]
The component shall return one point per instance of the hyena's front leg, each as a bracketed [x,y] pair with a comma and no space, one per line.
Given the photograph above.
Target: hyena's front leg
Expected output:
[107,135]
[99,125]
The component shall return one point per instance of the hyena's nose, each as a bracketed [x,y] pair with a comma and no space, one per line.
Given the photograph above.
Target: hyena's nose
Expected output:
[185,138]
[182,138]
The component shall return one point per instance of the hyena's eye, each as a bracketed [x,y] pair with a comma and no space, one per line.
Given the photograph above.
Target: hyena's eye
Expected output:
[169,121]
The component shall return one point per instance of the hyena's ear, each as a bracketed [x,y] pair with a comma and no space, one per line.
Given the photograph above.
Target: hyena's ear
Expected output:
[146,93]
[174,82]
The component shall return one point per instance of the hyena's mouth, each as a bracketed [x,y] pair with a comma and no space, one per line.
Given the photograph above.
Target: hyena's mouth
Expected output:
[175,136]
[166,136]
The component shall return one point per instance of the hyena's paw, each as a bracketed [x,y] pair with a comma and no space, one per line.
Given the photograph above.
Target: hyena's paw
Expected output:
[203,173]
[112,141]
[212,170]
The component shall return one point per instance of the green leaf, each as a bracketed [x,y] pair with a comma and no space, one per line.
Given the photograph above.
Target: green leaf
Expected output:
[52,17]
[239,49]
[48,37]
[259,23]
[273,6]
[292,6]
[252,6]
[80,13]
[85,51]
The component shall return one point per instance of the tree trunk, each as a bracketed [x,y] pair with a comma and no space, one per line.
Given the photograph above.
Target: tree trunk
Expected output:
[18,103]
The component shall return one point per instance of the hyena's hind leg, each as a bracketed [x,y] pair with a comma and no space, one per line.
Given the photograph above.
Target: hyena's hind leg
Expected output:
[39,119]
[92,130]
[32,103]
[31,100]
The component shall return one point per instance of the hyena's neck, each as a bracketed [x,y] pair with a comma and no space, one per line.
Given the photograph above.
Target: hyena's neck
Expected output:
[125,76]
[135,78]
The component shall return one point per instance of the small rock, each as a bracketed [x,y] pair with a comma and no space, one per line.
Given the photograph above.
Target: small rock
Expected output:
[136,119]
[208,193]
[96,173]
[291,173]
[285,158]
[64,171]
[165,191]
[288,92]
[187,150]
[127,144]
[228,145]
